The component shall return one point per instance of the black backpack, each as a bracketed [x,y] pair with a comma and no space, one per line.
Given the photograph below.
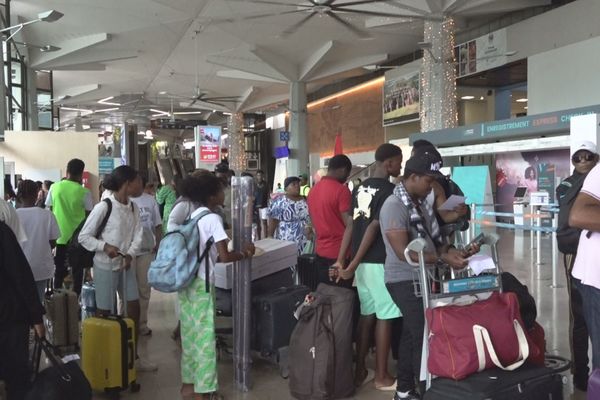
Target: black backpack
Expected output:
[77,255]
[567,237]
[450,188]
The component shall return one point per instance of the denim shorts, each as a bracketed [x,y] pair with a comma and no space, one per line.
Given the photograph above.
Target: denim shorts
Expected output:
[108,282]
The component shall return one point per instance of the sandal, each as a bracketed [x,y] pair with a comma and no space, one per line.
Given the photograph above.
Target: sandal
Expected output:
[390,388]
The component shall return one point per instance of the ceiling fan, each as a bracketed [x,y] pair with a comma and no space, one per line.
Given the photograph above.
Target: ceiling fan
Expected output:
[333,9]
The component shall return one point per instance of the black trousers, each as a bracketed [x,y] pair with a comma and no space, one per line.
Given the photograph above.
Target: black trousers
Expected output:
[323,265]
[411,341]
[14,358]
[62,270]
[578,331]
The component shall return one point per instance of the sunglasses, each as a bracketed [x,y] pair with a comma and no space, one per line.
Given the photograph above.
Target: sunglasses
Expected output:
[583,157]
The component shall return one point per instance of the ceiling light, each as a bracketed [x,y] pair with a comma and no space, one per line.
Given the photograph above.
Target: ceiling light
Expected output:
[188,112]
[467,97]
[162,92]
[105,101]
[525,107]
[522,100]
[158,112]
[226,113]
[482,98]
[106,109]
[75,109]
[46,16]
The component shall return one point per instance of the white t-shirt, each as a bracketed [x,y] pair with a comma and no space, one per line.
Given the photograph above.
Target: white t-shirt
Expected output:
[41,227]
[149,219]
[210,225]
[586,262]
[9,215]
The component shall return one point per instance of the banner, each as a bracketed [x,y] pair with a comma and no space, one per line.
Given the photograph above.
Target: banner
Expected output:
[208,140]
[485,52]
[401,97]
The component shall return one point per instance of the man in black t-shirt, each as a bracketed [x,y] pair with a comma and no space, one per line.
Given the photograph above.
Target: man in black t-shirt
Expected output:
[368,252]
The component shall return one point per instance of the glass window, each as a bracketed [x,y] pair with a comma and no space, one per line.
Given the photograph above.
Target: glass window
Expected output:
[17,93]
[16,73]
[44,110]
[44,80]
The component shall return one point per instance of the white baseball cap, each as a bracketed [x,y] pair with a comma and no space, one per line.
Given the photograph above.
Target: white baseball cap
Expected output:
[584,145]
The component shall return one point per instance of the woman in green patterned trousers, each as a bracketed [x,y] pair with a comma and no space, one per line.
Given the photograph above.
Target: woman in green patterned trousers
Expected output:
[199,358]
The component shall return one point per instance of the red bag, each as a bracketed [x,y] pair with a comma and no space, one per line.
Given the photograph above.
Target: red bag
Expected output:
[537,335]
[470,338]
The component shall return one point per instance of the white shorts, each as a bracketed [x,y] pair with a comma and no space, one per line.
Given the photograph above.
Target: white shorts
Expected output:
[105,289]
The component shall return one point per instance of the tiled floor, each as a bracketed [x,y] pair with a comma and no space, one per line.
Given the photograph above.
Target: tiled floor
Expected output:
[515,256]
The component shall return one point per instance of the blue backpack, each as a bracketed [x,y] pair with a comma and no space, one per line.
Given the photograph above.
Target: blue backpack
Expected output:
[178,258]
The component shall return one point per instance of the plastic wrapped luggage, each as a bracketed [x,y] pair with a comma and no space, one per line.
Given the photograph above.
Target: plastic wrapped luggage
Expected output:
[62,319]
[593,389]
[88,300]
[307,271]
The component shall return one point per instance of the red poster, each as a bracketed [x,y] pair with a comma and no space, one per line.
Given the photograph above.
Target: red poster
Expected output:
[209,153]
[85,180]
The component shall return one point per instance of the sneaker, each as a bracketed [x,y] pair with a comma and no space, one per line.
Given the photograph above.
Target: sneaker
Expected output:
[145,331]
[412,395]
[143,365]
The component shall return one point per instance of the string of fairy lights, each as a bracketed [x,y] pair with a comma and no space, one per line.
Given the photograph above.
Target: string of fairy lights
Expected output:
[237,142]
[438,77]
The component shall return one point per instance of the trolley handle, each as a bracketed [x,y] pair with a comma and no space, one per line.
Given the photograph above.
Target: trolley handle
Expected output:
[417,245]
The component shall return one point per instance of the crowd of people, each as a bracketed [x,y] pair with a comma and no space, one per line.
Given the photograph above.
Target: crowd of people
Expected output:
[358,238]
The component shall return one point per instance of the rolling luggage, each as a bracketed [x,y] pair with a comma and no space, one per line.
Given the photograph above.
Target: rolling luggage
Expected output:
[321,346]
[307,270]
[2,391]
[273,318]
[529,382]
[62,320]
[108,352]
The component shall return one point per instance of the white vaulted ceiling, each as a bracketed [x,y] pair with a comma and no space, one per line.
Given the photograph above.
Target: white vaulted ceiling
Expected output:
[146,49]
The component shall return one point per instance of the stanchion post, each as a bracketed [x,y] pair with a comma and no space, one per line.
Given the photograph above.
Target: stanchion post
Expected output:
[555,284]
[472,224]
[242,204]
[531,211]
[538,235]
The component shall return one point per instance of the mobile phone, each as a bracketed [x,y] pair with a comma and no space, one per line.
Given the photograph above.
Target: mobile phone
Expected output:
[121,254]
[479,240]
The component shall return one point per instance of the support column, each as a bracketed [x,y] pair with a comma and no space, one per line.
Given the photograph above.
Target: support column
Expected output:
[438,77]
[31,107]
[237,143]
[298,144]
[3,116]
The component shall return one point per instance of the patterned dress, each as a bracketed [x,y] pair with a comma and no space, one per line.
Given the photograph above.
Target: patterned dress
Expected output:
[293,218]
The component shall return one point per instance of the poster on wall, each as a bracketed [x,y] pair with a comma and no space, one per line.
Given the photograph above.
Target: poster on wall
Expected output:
[401,97]
[536,170]
[485,52]
[208,143]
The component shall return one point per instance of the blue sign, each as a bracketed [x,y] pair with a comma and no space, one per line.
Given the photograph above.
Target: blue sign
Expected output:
[105,165]
[284,136]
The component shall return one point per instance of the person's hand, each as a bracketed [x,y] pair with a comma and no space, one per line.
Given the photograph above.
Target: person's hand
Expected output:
[346,273]
[470,250]
[111,251]
[40,330]
[461,209]
[455,259]
[249,250]
[126,263]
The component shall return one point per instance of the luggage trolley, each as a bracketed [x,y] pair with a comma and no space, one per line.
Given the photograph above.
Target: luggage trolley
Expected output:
[441,285]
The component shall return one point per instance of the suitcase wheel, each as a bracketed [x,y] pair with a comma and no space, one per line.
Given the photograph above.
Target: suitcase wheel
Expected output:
[135,387]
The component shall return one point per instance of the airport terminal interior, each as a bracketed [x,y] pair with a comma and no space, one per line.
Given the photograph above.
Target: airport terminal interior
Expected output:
[299,199]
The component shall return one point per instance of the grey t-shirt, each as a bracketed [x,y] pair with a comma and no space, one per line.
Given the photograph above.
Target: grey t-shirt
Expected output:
[394,215]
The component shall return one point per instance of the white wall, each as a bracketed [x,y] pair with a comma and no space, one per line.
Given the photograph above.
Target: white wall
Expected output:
[567,77]
[35,152]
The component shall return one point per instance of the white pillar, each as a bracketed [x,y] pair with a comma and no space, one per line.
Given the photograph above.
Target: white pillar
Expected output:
[237,143]
[298,144]
[32,109]
[3,121]
[438,77]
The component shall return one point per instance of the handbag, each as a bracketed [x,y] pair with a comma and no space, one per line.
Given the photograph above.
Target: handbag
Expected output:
[471,338]
[60,381]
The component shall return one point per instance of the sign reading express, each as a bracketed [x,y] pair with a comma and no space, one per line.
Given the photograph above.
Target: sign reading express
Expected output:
[542,124]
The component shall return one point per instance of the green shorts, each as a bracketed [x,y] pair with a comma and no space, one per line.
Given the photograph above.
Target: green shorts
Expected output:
[374,296]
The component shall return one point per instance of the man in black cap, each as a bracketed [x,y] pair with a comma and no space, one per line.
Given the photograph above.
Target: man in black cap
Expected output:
[406,216]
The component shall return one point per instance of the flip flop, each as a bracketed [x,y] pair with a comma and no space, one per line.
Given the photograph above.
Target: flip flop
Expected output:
[390,388]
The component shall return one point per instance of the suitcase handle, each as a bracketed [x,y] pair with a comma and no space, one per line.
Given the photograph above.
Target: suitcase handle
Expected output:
[131,352]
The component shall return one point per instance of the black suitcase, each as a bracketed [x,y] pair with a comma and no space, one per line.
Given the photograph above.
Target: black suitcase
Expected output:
[526,383]
[308,273]
[273,318]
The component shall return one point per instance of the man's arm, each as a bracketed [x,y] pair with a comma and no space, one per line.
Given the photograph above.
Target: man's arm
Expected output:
[272,227]
[365,244]
[585,213]
[346,239]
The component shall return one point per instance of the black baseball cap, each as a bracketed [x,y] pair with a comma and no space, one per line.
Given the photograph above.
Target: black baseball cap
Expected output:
[290,179]
[425,163]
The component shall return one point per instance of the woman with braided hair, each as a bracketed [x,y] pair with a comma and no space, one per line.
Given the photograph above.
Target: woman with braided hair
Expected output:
[42,231]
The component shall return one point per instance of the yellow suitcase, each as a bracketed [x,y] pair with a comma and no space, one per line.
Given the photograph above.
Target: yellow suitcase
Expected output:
[108,353]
